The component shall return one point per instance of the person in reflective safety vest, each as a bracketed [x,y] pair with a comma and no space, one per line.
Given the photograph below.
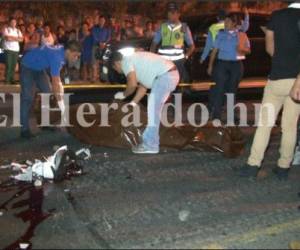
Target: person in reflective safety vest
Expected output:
[172,37]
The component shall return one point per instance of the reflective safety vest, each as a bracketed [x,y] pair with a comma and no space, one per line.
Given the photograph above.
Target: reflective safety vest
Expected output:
[215,28]
[172,46]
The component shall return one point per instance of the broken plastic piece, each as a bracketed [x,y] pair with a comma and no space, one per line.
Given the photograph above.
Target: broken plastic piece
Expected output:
[46,169]
[27,176]
[17,167]
[43,169]
[56,158]
[84,153]
[183,215]
[24,245]
[38,183]
[54,167]
[5,167]
[29,163]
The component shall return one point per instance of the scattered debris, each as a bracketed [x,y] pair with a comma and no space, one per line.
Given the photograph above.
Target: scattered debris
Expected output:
[54,167]
[24,245]
[183,215]
[109,226]
[5,167]
[38,183]
[84,153]
[18,167]
[24,175]
[29,163]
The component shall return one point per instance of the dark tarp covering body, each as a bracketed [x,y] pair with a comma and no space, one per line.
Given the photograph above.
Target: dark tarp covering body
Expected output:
[228,140]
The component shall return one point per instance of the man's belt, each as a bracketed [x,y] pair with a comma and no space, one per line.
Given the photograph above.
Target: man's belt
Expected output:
[174,68]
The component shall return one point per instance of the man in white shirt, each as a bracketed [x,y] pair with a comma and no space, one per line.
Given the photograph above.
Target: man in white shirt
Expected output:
[145,70]
[12,37]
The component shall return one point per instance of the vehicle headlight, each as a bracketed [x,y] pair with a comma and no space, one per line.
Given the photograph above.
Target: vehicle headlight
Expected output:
[127,51]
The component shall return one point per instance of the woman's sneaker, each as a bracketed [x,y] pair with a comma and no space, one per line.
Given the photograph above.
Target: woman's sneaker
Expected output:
[142,149]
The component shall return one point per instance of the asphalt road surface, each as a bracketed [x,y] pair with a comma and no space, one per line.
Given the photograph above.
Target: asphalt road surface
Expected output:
[177,199]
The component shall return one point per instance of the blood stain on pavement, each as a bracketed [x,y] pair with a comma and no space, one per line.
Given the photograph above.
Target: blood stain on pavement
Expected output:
[33,212]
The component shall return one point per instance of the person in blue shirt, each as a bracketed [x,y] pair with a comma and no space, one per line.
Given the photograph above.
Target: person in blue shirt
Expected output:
[227,70]
[101,36]
[215,28]
[34,67]
[86,41]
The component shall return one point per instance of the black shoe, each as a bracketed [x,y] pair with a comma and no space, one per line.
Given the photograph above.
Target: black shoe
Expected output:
[281,173]
[50,129]
[27,134]
[249,171]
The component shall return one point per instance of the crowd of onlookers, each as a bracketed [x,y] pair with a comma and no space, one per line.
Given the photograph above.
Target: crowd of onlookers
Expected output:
[93,32]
